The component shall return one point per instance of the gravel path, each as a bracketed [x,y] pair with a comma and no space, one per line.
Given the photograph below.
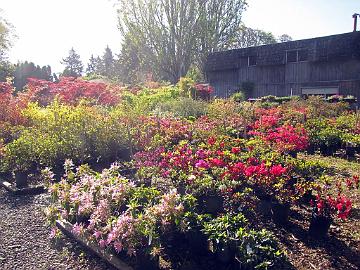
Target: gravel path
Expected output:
[25,243]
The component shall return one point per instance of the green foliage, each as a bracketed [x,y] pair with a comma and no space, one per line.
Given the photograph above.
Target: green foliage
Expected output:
[59,132]
[238,97]
[6,70]
[184,107]
[257,249]
[247,88]
[253,249]
[186,86]
[195,74]
[19,155]
[224,229]
[147,100]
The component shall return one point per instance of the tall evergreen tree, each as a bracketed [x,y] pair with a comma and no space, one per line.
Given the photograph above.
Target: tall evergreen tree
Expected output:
[92,66]
[99,64]
[108,63]
[73,64]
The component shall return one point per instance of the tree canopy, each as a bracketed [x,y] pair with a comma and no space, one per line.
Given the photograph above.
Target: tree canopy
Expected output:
[6,39]
[6,36]
[249,37]
[173,34]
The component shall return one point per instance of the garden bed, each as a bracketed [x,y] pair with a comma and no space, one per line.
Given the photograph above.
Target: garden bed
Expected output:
[233,174]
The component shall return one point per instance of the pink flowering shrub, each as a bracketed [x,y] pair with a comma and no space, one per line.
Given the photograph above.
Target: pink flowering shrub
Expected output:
[203,91]
[113,211]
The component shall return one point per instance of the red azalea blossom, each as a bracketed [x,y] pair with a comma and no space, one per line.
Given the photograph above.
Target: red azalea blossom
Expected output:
[217,162]
[277,170]
[211,140]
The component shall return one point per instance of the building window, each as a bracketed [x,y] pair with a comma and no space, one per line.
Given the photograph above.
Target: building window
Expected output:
[252,60]
[302,55]
[291,56]
[296,56]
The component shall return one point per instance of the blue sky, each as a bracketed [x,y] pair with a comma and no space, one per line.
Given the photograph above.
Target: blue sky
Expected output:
[47,29]
[302,18]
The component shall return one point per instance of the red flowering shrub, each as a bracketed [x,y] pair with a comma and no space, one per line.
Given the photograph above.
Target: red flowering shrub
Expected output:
[287,138]
[281,131]
[328,206]
[70,91]
[10,112]
[203,91]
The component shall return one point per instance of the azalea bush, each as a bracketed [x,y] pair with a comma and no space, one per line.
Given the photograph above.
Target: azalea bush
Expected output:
[331,205]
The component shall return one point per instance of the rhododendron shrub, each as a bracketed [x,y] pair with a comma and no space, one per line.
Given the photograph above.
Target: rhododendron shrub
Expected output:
[330,204]
[202,91]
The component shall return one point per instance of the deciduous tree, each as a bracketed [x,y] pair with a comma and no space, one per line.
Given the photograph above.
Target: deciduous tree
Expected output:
[173,34]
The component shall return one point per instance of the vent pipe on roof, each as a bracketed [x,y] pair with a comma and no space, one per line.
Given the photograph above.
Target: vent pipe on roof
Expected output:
[355,20]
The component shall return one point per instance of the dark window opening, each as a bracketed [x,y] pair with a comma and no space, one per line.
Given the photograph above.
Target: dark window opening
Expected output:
[302,55]
[291,56]
[252,60]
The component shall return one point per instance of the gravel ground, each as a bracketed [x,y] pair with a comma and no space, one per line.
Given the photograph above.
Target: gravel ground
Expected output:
[25,242]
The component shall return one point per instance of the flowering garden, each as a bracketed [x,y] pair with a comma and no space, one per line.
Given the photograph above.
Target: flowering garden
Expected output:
[166,177]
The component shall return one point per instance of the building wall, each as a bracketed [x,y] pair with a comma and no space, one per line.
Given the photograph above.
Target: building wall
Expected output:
[332,61]
[282,80]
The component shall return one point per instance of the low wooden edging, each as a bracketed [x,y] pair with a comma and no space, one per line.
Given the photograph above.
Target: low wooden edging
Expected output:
[109,257]
[22,191]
